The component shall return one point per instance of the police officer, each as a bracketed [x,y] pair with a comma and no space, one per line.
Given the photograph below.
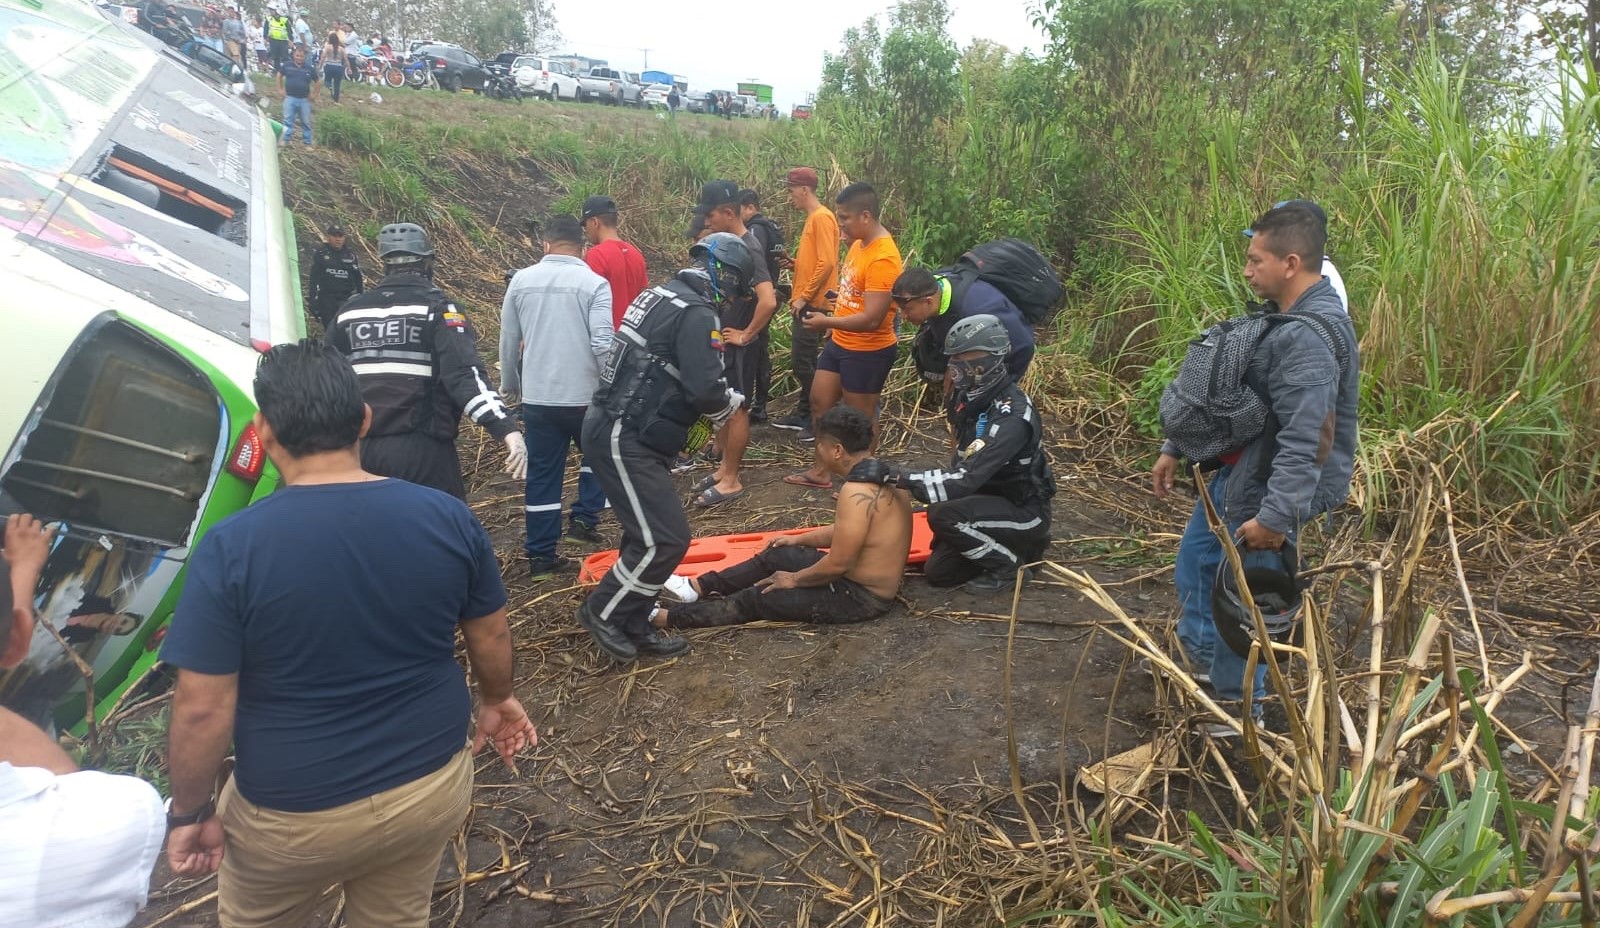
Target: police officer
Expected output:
[990,509]
[416,357]
[663,373]
[335,275]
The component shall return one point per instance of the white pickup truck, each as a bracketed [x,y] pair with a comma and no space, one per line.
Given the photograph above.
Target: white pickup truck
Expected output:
[608,85]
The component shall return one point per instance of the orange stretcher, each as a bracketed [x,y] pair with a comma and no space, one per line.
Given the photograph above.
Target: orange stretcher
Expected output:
[718,551]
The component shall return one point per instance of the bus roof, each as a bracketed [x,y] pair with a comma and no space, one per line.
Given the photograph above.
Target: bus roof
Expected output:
[129,183]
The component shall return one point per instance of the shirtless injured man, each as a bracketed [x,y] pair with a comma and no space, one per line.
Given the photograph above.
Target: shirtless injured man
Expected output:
[855,579]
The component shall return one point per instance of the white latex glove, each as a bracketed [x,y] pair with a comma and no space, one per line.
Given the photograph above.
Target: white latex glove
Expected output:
[516,456]
[735,400]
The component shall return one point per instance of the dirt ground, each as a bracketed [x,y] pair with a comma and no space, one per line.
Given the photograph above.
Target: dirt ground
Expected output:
[736,783]
[782,775]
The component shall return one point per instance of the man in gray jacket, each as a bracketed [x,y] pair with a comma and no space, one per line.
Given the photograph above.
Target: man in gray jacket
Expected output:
[1301,465]
[555,326]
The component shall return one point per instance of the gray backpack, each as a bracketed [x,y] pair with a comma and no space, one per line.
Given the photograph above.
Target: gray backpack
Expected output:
[1208,409]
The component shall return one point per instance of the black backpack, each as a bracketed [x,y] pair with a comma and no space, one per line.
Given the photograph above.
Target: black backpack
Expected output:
[773,239]
[1016,269]
[1208,409]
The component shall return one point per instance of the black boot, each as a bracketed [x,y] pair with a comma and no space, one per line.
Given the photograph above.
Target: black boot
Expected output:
[660,644]
[611,639]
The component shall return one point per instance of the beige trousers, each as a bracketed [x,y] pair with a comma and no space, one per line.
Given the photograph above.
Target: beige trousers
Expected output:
[383,850]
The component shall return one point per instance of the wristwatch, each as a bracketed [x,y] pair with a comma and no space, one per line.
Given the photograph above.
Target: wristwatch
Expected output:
[174,820]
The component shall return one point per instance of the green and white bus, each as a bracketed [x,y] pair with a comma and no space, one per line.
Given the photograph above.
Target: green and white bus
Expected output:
[147,260]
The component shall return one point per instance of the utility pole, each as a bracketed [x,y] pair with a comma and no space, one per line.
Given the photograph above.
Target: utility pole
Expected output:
[646,59]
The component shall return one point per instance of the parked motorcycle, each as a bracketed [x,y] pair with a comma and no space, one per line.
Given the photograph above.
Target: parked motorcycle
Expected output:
[418,73]
[501,85]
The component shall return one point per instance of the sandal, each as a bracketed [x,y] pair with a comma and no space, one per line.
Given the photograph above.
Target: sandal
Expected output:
[715,497]
[705,483]
[801,480]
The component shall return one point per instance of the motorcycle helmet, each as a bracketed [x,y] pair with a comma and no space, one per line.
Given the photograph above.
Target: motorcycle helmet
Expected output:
[985,333]
[728,261]
[403,243]
[1273,579]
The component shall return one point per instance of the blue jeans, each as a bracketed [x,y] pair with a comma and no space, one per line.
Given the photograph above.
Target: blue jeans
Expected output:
[1199,555]
[549,432]
[296,108]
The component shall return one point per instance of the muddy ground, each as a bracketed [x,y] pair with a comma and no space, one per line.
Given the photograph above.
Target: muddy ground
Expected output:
[846,775]
[788,775]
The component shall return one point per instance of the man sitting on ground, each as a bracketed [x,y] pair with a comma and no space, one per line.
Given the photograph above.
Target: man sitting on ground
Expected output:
[990,509]
[792,580]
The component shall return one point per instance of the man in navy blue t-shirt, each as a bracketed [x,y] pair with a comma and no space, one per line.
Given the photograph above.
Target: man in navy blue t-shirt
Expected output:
[298,81]
[317,632]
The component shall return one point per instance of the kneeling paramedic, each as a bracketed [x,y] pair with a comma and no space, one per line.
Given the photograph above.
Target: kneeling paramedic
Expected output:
[664,372]
[416,357]
[990,509]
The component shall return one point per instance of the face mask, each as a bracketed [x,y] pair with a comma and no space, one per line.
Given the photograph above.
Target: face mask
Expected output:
[972,377]
[700,279]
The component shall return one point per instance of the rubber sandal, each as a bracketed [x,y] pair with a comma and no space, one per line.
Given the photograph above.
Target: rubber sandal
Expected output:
[800,480]
[705,483]
[715,497]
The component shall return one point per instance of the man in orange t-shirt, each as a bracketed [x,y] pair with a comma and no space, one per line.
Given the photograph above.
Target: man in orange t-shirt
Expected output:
[816,272]
[861,346]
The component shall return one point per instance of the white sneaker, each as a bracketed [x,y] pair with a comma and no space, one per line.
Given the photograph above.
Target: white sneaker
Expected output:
[679,587]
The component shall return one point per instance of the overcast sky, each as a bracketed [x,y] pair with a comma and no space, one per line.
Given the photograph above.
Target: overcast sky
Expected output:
[776,43]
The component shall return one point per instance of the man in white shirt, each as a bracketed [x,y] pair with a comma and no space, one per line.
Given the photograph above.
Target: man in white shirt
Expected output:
[76,846]
[555,327]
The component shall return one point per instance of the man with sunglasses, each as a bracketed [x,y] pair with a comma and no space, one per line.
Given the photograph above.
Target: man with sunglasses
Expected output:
[935,302]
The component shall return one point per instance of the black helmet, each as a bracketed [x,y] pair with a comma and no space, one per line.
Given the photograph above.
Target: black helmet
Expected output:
[1274,585]
[728,261]
[403,243]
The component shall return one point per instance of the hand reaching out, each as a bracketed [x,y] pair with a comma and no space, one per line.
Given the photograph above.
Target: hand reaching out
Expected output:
[505,725]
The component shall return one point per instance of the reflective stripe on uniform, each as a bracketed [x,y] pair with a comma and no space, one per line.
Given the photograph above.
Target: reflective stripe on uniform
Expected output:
[383,312]
[629,577]
[988,543]
[393,367]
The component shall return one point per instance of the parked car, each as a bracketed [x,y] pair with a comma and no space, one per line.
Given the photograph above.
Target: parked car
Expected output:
[655,95]
[694,101]
[454,67]
[745,105]
[541,77]
[608,85]
[800,111]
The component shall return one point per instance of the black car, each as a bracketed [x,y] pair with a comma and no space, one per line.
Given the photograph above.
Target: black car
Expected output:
[454,67]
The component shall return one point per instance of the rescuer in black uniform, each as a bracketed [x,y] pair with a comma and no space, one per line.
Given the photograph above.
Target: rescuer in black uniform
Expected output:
[335,275]
[416,357]
[663,373]
[990,509]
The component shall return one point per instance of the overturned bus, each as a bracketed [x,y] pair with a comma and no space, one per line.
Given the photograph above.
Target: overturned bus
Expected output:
[147,259]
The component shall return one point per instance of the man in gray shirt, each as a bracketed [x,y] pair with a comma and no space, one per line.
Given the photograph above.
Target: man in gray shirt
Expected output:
[555,327]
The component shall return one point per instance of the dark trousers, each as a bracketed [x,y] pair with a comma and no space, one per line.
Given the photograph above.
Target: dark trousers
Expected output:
[279,49]
[837,603]
[655,531]
[326,306]
[333,77]
[416,458]
[804,344]
[758,403]
[549,432]
[983,534]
